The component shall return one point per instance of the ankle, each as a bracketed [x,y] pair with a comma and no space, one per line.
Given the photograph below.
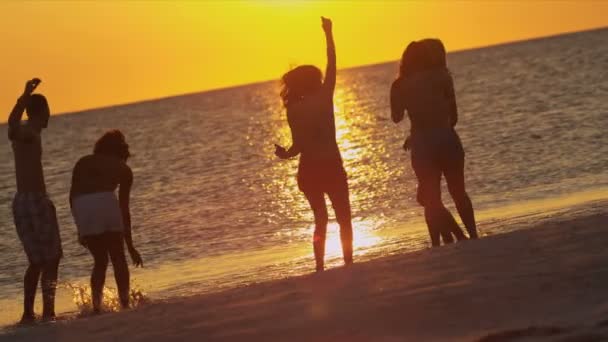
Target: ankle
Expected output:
[27,318]
[48,309]
[49,317]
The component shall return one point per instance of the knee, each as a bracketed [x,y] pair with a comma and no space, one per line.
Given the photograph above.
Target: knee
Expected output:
[430,202]
[460,196]
[33,270]
[428,196]
[344,218]
[119,262]
[101,263]
[34,267]
[420,198]
[320,229]
[321,220]
[345,223]
[52,265]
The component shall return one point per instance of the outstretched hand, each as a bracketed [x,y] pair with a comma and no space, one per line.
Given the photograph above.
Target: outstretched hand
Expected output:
[136,257]
[326,24]
[30,86]
[280,152]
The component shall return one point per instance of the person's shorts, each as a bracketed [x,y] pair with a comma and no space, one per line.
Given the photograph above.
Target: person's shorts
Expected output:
[321,178]
[434,154]
[36,223]
[97,213]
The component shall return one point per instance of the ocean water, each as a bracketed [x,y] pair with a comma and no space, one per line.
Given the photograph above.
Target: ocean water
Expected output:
[214,208]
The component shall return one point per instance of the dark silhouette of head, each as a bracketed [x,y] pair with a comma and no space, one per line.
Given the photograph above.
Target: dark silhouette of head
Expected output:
[38,110]
[415,58]
[113,143]
[299,83]
[436,51]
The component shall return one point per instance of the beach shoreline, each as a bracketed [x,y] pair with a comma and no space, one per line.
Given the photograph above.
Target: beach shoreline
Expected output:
[544,282]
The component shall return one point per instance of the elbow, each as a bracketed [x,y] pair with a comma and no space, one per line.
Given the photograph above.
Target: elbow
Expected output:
[454,120]
[13,123]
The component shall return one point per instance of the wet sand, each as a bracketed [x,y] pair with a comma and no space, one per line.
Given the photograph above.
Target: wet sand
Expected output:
[545,283]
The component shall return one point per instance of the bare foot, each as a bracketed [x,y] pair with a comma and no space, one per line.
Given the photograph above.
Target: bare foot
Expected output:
[49,317]
[27,319]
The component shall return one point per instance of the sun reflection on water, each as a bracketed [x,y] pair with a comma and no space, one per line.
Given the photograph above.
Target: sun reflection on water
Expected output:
[364,238]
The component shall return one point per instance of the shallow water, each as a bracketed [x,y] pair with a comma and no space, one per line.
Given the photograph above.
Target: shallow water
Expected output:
[213,208]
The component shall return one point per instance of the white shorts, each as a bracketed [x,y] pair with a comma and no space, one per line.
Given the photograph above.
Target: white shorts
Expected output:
[97,213]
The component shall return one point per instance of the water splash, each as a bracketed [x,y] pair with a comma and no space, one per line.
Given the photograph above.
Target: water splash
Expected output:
[81,297]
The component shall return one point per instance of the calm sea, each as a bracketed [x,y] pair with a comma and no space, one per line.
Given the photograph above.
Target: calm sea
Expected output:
[212,206]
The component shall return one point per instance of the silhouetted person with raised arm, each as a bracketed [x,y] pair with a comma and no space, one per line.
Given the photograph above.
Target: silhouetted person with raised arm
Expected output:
[33,212]
[308,100]
[103,221]
[425,89]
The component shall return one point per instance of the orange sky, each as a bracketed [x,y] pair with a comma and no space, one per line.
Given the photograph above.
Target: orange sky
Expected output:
[92,54]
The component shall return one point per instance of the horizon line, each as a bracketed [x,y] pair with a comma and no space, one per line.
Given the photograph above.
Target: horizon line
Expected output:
[239,85]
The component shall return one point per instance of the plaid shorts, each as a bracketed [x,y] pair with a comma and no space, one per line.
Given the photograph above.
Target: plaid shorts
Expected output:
[37,227]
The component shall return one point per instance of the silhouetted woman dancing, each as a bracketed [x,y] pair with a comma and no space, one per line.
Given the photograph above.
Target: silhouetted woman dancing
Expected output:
[426,90]
[310,113]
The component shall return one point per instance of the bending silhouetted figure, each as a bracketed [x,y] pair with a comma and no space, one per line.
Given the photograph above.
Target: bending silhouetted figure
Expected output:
[310,113]
[103,221]
[426,90]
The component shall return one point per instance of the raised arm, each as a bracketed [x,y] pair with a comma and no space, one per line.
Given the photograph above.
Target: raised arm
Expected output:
[124,193]
[14,119]
[330,72]
[397,105]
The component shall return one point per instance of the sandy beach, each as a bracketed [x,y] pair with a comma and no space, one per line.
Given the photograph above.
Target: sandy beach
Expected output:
[547,282]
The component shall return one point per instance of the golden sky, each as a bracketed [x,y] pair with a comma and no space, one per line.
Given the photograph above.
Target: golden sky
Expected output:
[96,53]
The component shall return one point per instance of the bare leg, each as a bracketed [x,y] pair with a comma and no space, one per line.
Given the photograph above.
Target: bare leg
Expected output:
[30,283]
[121,268]
[98,247]
[440,222]
[451,226]
[430,224]
[455,179]
[49,287]
[467,214]
[317,203]
[438,219]
[341,204]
